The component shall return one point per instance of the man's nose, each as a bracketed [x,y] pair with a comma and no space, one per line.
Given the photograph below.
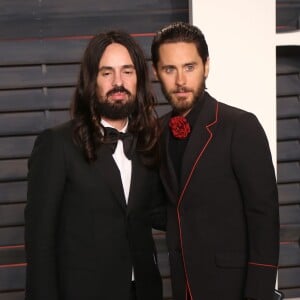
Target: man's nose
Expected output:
[117,79]
[180,78]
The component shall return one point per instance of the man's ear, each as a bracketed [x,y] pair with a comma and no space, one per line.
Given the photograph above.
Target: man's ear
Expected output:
[206,67]
[154,72]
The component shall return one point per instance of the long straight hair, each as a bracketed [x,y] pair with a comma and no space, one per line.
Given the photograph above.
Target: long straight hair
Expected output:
[143,122]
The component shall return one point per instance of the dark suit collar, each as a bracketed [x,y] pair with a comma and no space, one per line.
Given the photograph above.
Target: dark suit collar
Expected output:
[167,170]
[199,139]
[111,174]
[138,176]
[201,135]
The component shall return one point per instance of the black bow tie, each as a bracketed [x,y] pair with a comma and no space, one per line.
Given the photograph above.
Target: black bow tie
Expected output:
[112,136]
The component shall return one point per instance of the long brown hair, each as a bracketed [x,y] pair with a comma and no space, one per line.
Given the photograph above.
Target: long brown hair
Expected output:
[143,123]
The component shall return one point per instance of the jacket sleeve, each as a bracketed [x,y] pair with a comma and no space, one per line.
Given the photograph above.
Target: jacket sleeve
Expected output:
[46,177]
[255,173]
[159,206]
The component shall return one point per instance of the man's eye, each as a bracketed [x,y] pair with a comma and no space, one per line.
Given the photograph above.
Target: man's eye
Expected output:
[189,67]
[169,70]
[106,74]
[128,72]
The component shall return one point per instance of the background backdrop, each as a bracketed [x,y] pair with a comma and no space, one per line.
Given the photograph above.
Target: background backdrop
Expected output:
[41,43]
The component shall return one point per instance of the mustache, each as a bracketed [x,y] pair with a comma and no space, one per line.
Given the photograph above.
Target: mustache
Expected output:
[182,90]
[118,89]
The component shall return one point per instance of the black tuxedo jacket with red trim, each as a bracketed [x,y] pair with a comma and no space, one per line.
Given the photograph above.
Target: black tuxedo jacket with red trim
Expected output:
[223,223]
[82,240]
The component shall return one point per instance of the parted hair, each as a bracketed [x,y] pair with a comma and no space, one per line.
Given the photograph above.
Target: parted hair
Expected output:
[87,130]
[179,32]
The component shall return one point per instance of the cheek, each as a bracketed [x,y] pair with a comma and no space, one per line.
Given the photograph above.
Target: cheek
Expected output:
[131,85]
[167,82]
[102,87]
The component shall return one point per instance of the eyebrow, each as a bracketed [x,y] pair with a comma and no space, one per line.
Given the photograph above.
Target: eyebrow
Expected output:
[184,65]
[106,68]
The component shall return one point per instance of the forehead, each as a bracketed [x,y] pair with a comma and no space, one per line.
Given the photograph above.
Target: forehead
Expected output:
[173,53]
[115,55]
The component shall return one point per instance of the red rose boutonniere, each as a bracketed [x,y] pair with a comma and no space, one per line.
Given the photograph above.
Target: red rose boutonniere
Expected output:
[180,127]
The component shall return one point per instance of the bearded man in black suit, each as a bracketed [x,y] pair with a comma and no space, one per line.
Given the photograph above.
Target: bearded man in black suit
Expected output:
[216,167]
[93,186]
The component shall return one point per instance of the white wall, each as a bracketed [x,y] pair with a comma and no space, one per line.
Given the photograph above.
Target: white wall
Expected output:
[241,37]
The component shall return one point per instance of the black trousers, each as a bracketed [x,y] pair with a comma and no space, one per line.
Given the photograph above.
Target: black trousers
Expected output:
[132,295]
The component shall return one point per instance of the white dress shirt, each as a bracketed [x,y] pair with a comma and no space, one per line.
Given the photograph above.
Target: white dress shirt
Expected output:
[124,165]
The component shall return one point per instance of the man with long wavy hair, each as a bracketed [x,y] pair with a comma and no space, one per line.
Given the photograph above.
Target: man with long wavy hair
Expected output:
[93,189]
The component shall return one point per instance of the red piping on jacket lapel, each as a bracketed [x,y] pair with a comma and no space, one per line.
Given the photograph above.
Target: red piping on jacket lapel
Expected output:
[262,265]
[188,289]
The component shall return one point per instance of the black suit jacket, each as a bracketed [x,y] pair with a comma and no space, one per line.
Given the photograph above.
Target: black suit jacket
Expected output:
[82,240]
[223,223]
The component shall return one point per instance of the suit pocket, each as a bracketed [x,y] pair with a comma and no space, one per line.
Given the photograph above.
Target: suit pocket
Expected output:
[231,260]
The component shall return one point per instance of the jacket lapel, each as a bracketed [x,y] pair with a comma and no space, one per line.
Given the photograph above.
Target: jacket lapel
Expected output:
[137,178]
[201,136]
[111,174]
[167,171]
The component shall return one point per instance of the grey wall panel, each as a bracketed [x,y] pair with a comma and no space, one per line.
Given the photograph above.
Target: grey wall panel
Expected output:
[287,65]
[162,109]
[12,255]
[54,50]
[12,278]
[12,214]
[288,129]
[291,293]
[15,169]
[30,123]
[289,278]
[288,107]
[11,236]
[57,26]
[64,18]
[14,295]
[75,7]
[42,51]
[163,260]
[289,233]
[38,76]
[22,123]
[288,172]
[16,146]
[288,85]
[289,193]
[290,214]
[288,151]
[13,192]
[35,99]
[167,288]
[289,255]
[287,15]
[158,93]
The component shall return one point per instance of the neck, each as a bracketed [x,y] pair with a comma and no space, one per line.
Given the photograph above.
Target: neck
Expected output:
[117,124]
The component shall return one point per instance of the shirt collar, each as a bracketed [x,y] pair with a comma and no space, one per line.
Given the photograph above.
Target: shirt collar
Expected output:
[107,124]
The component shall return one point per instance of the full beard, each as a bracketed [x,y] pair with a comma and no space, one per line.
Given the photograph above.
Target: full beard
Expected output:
[180,105]
[115,110]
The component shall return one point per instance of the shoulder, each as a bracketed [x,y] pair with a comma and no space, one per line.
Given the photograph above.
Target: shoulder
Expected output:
[63,130]
[55,137]
[235,115]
